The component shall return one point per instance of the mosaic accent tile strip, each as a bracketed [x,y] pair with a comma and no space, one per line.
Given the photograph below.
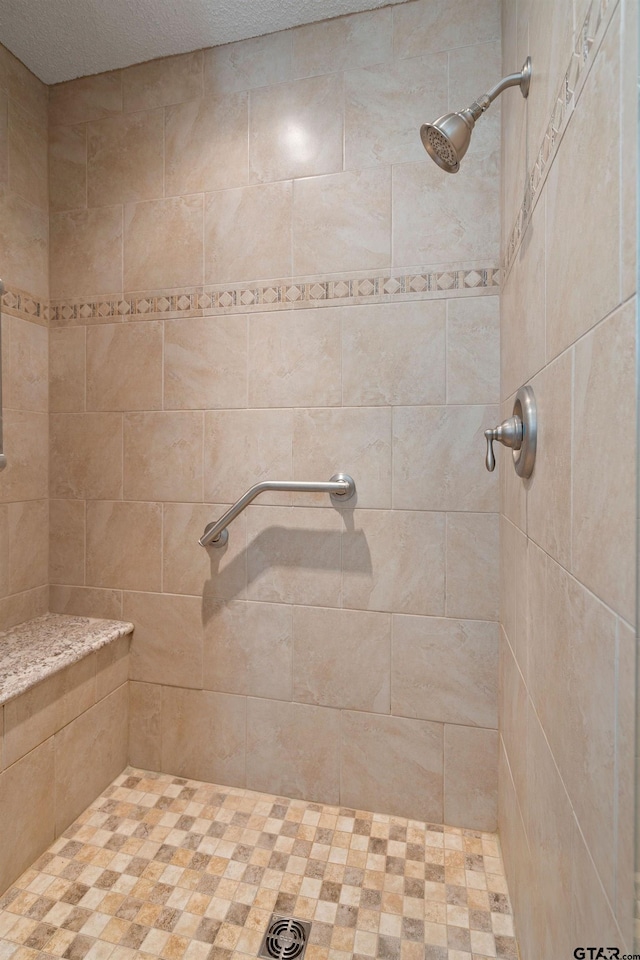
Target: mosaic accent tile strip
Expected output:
[19,303]
[275,295]
[166,867]
[587,45]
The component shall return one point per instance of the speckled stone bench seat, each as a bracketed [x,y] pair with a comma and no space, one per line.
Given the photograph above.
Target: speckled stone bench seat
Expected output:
[64,705]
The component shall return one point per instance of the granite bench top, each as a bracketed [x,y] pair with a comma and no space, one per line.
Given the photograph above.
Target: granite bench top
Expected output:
[36,649]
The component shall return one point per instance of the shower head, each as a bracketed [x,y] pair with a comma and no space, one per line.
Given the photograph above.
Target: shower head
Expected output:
[447,139]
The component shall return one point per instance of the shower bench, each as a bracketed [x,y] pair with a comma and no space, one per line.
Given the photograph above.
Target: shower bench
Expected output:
[63,727]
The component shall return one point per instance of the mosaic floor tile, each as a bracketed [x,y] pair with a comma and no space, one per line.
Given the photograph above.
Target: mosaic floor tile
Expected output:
[162,867]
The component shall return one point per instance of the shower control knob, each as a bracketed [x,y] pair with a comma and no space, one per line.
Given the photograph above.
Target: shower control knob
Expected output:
[519,432]
[509,433]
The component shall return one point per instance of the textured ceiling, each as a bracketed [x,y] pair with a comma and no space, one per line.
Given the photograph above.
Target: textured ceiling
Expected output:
[62,39]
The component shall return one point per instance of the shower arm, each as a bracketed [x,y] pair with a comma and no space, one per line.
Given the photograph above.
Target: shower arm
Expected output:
[341,487]
[521,79]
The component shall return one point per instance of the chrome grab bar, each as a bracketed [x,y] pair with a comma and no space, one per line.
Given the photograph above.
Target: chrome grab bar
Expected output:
[3,459]
[341,487]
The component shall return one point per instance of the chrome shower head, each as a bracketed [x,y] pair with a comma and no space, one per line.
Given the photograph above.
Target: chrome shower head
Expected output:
[447,139]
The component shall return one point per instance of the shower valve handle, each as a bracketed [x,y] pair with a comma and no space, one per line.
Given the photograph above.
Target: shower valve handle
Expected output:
[509,433]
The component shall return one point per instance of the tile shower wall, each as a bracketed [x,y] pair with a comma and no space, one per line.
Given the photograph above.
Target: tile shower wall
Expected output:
[24,268]
[256,272]
[568,535]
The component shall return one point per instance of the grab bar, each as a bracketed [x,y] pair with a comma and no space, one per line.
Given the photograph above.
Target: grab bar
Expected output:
[341,487]
[3,459]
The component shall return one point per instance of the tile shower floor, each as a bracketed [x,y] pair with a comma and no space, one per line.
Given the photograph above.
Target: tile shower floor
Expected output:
[165,867]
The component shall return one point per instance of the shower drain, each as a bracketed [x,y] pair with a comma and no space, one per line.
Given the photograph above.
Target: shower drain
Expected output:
[285,939]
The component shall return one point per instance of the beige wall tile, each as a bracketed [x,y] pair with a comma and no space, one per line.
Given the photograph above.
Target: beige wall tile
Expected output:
[549,494]
[591,914]
[145,725]
[517,859]
[32,718]
[342,658]
[33,822]
[203,735]
[88,98]
[1,738]
[394,353]
[550,37]
[86,455]
[244,447]
[438,461]
[234,248]
[125,158]
[524,308]
[256,62]
[425,26]
[67,168]
[205,363]
[515,715]
[4,139]
[124,366]
[26,476]
[470,777]
[513,558]
[44,709]
[293,555]
[473,350]
[626,778]
[473,574]
[26,387]
[296,129]
[573,688]
[112,666]
[86,602]
[342,222]
[158,83]
[342,43]
[385,105]
[163,243]
[4,549]
[513,111]
[443,220]
[163,456]
[23,86]
[124,541]
[293,749]
[28,545]
[167,641]
[445,670]
[188,568]
[604,478]
[294,358]
[86,252]
[356,441]
[248,649]
[378,753]
[592,255]
[97,742]
[24,233]
[410,580]
[67,349]
[206,144]
[629,166]
[23,606]
[28,173]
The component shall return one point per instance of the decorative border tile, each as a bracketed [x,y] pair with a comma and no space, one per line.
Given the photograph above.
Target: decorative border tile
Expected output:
[19,303]
[276,295]
[587,45]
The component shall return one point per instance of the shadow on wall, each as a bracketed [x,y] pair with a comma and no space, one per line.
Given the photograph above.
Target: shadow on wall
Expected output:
[277,546]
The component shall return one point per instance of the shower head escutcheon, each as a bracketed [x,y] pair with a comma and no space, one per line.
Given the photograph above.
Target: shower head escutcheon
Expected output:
[447,139]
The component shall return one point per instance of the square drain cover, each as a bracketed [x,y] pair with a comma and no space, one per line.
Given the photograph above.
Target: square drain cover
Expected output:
[285,939]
